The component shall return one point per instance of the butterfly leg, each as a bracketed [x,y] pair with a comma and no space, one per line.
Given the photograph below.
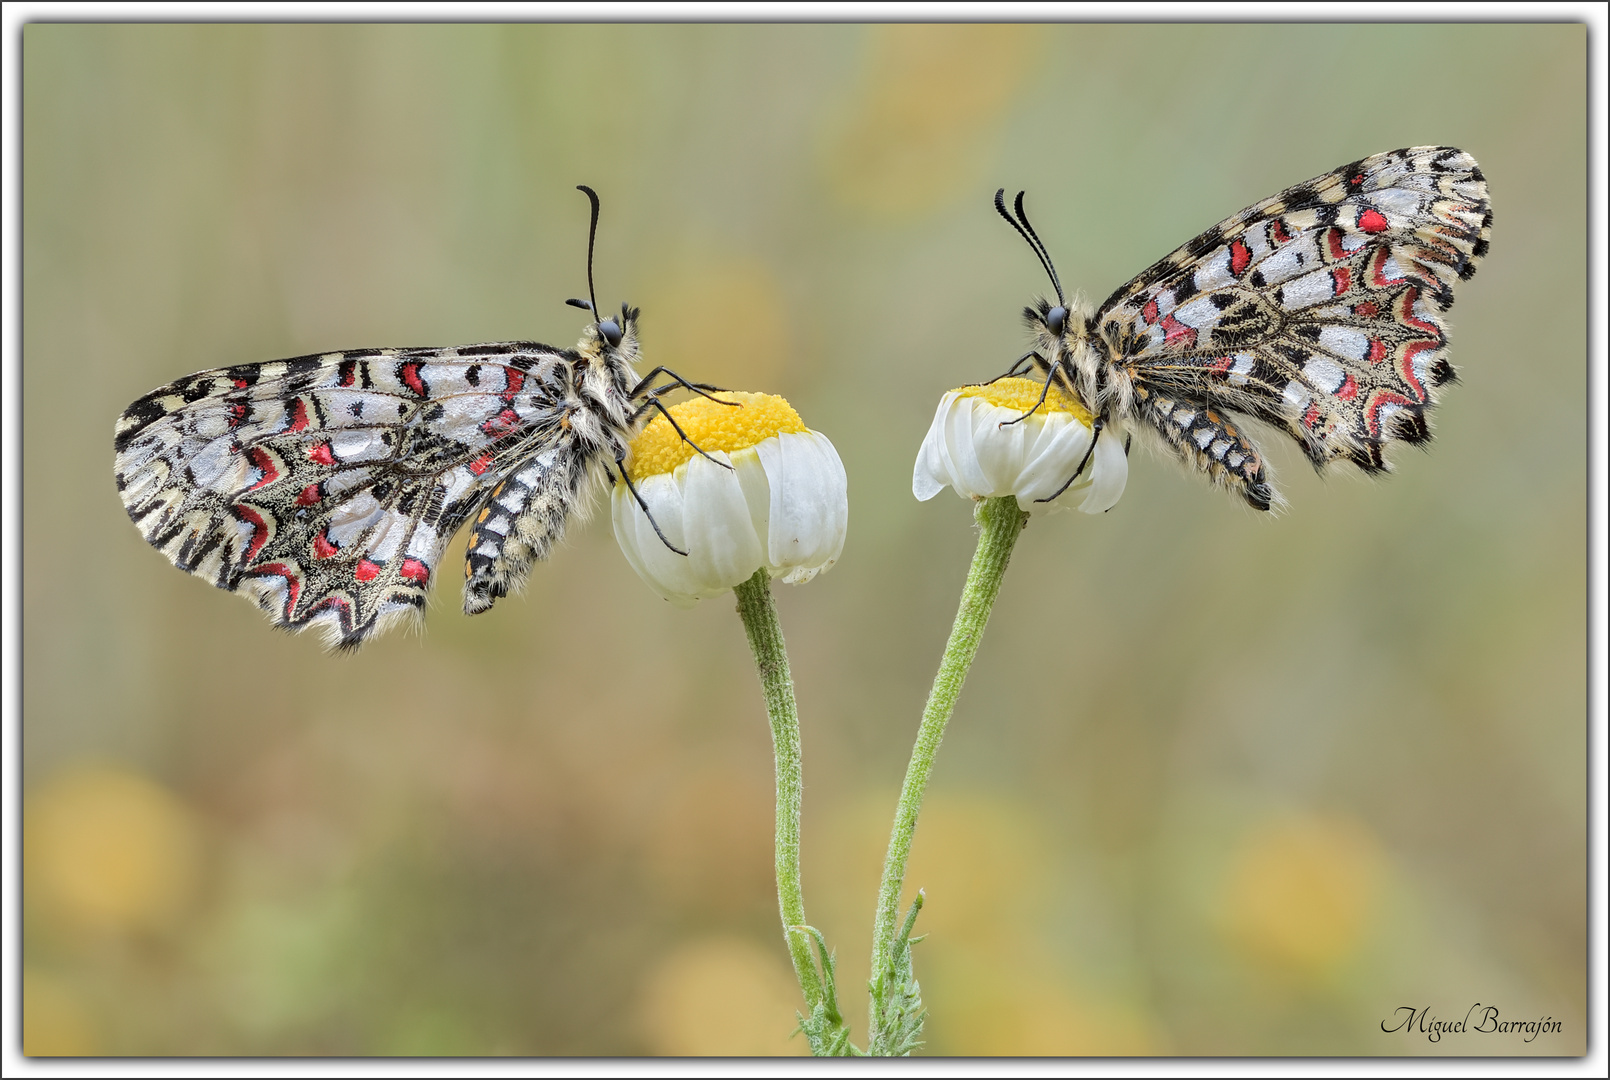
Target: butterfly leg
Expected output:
[1050,377]
[654,403]
[698,388]
[1096,427]
[620,463]
[1017,368]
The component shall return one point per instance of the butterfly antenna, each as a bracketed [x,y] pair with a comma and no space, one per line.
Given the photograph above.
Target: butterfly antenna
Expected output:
[1027,233]
[1039,246]
[592,235]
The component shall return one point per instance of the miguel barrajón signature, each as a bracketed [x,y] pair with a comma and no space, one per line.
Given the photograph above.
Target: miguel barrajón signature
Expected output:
[1486,1022]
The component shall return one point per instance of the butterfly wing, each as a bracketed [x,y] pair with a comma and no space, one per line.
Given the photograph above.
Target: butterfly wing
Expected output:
[1318,310]
[325,488]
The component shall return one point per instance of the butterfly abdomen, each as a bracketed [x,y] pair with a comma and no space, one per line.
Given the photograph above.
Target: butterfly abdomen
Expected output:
[552,478]
[522,519]
[1210,442]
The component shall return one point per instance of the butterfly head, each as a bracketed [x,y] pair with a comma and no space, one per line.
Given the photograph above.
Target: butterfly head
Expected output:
[1059,323]
[1056,320]
[1059,334]
[612,336]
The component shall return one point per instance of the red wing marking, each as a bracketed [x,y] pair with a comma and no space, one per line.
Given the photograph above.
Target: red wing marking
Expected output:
[322,453]
[259,529]
[414,570]
[310,495]
[410,377]
[322,548]
[1378,269]
[1333,240]
[1407,312]
[1410,351]
[1371,221]
[293,584]
[298,415]
[1240,257]
[366,570]
[501,424]
[1372,415]
[259,457]
[1177,333]
[1349,388]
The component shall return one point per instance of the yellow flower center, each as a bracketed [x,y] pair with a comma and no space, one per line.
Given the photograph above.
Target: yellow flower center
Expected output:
[1021,395]
[713,426]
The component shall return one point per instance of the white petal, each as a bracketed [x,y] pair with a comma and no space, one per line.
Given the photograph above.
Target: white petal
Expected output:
[955,449]
[809,504]
[998,445]
[1057,451]
[750,469]
[666,572]
[1111,467]
[928,477]
[723,547]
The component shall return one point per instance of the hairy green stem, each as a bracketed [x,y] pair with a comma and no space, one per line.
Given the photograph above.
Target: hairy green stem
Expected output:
[999,522]
[771,660]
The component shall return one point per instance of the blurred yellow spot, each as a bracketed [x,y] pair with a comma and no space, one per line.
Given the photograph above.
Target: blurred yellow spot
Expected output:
[1022,394]
[1010,1014]
[107,849]
[714,426]
[55,1022]
[926,99]
[1300,892]
[717,320]
[723,997]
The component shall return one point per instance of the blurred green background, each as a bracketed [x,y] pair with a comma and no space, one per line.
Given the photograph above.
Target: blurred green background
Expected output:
[1220,783]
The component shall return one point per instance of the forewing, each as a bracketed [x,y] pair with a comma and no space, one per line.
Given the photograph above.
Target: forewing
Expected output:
[325,488]
[1318,310]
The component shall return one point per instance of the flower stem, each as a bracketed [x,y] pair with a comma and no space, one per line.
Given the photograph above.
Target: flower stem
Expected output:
[771,660]
[999,521]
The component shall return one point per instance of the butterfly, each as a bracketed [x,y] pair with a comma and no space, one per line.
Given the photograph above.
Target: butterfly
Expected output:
[1317,311]
[325,488]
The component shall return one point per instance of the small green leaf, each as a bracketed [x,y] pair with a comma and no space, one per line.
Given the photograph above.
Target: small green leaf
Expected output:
[897,1009]
[825,1028]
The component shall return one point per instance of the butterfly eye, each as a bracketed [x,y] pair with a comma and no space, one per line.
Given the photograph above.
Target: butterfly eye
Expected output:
[611,331]
[1056,320]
